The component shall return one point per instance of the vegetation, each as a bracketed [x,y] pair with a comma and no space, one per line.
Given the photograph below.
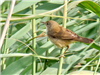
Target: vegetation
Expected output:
[26,49]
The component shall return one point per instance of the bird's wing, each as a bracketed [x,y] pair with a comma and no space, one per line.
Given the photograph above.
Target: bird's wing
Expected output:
[65,34]
[68,34]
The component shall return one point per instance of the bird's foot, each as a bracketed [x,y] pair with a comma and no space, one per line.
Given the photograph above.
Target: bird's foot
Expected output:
[62,56]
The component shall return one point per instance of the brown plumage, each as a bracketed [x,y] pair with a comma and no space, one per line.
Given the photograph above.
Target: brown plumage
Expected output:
[62,37]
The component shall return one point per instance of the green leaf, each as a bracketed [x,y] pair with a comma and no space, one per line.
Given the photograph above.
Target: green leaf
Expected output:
[45,7]
[96,46]
[73,5]
[17,66]
[23,5]
[18,35]
[52,70]
[92,6]
[87,27]
[44,47]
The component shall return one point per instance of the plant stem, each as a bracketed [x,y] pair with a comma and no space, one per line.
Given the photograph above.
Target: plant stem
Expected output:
[33,42]
[65,14]
[7,23]
[62,51]
[60,62]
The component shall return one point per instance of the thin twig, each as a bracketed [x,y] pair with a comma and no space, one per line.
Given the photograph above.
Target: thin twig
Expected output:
[7,23]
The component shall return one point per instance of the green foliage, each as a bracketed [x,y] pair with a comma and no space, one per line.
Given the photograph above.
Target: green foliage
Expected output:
[82,18]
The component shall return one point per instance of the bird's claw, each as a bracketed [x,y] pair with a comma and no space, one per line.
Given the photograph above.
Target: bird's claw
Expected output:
[62,56]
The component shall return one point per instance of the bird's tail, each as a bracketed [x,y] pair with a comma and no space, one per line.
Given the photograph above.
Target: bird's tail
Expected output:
[85,40]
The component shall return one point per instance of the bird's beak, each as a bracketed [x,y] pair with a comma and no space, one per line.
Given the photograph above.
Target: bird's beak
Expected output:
[43,22]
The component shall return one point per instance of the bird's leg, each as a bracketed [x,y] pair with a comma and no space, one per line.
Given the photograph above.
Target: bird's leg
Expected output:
[66,49]
[64,52]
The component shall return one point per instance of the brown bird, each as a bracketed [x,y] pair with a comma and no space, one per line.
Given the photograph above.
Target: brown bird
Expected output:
[62,37]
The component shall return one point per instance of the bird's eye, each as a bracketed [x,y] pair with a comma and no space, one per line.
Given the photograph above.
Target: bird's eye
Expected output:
[47,23]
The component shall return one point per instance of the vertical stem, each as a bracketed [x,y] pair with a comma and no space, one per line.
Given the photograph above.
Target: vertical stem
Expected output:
[7,23]
[33,42]
[65,14]
[99,34]
[60,62]
[45,62]
[62,51]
